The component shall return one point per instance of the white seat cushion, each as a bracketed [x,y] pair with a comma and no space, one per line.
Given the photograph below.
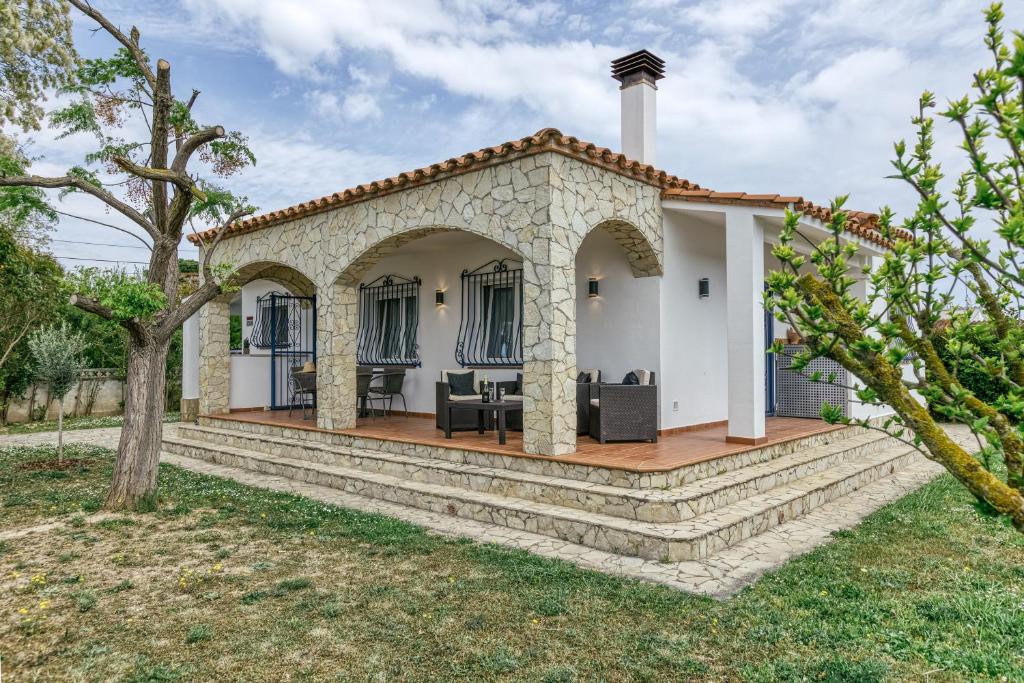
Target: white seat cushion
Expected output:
[596,402]
[467,397]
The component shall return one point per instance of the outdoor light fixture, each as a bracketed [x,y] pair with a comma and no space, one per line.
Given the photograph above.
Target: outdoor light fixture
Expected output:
[592,287]
[704,288]
[439,297]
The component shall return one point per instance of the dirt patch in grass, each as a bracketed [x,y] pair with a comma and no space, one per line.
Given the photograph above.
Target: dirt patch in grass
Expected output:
[230,583]
[55,465]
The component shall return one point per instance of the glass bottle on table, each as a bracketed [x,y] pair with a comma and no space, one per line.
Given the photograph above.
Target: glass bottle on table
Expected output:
[486,391]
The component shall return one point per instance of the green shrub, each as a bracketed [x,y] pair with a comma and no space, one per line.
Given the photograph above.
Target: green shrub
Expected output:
[970,373]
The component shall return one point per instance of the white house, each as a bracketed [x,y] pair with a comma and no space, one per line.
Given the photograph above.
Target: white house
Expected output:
[540,258]
[651,241]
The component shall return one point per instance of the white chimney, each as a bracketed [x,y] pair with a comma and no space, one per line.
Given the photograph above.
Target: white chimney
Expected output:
[638,73]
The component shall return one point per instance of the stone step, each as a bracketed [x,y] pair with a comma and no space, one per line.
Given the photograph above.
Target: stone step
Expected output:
[695,538]
[650,505]
[540,465]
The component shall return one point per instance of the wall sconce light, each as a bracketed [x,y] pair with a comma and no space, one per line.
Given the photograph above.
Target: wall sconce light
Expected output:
[592,288]
[704,288]
[439,297]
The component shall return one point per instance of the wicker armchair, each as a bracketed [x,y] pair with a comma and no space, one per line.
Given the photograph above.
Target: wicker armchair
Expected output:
[462,420]
[624,412]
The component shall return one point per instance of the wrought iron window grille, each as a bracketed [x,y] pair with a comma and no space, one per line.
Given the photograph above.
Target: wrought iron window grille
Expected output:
[389,317]
[278,320]
[491,322]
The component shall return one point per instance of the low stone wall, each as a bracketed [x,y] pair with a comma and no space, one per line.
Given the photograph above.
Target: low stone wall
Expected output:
[99,391]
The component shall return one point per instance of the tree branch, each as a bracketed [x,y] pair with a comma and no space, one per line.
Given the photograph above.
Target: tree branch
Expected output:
[91,306]
[95,307]
[87,187]
[158,151]
[191,144]
[106,225]
[210,287]
[130,43]
[157,175]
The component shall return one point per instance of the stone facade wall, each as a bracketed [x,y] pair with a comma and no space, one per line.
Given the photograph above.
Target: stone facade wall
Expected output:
[539,206]
[214,357]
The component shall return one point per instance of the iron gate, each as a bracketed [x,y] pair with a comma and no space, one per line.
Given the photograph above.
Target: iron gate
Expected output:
[286,326]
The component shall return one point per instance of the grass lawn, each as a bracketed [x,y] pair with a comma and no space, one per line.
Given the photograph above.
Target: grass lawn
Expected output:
[71,423]
[226,582]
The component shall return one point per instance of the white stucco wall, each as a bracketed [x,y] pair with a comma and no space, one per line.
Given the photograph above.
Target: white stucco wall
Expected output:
[250,381]
[619,330]
[693,330]
[438,260]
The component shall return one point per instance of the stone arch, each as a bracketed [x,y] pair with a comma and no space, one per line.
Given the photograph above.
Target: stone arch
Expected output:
[357,267]
[643,258]
[289,277]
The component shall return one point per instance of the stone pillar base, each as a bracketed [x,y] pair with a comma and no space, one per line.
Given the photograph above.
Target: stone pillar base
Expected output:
[189,409]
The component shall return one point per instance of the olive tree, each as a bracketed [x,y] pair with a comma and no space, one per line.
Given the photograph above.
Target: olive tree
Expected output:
[954,269]
[57,352]
[160,186]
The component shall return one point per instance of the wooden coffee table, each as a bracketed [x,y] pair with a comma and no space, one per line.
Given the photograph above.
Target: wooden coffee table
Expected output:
[481,408]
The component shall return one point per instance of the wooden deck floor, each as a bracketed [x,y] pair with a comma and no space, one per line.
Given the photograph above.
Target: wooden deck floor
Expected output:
[672,450]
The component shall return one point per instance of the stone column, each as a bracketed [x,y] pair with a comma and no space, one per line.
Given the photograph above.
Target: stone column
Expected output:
[190,369]
[337,309]
[744,268]
[549,350]
[214,357]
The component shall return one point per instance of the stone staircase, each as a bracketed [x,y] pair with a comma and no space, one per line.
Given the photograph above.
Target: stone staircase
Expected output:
[686,514]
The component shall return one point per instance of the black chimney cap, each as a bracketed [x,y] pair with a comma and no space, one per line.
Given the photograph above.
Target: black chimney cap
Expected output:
[640,65]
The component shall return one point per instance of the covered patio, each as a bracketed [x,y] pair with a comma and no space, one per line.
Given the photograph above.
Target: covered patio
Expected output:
[673,449]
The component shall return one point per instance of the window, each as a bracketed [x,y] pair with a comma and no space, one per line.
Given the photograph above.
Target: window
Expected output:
[499,313]
[273,320]
[388,322]
[491,327]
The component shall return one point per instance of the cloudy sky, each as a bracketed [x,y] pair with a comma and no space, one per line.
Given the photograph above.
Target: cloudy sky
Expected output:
[791,96]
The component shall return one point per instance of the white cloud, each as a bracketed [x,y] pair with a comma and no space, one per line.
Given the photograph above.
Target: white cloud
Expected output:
[359,106]
[733,21]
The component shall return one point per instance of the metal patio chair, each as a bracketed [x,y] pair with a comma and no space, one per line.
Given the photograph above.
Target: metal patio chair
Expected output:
[303,386]
[391,386]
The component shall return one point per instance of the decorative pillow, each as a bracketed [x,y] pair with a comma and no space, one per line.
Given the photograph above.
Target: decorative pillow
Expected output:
[643,377]
[582,378]
[461,383]
[595,374]
[631,378]
[519,384]
[588,376]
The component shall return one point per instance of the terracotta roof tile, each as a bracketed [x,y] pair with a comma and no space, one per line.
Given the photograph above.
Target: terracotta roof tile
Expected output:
[547,140]
[863,224]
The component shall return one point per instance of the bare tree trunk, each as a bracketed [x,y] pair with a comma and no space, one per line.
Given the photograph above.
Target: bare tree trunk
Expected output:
[138,453]
[60,430]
